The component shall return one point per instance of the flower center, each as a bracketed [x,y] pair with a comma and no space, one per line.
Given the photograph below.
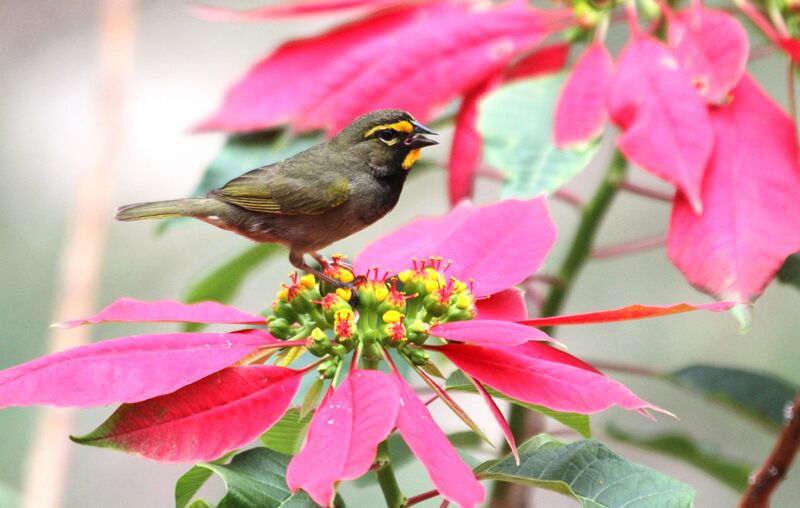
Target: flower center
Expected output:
[377,313]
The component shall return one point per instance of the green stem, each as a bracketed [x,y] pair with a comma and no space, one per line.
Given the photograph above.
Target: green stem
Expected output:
[579,252]
[387,479]
[385,472]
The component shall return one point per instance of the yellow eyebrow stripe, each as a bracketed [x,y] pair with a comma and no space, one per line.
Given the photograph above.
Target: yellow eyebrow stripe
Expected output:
[401,126]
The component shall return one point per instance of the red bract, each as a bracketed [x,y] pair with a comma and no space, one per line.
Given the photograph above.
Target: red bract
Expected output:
[197,407]
[415,58]
[712,48]
[665,123]
[581,110]
[752,201]
[292,9]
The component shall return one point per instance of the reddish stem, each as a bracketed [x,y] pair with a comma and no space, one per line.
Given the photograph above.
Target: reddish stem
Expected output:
[646,192]
[777,465]
[422,497]
[629,247]
[569,198]
[758,19]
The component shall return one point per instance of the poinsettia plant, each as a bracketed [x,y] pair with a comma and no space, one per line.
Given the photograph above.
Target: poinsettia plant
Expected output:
[531,91]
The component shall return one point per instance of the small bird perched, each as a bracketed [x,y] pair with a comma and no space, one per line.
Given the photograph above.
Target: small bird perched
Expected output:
[314,198]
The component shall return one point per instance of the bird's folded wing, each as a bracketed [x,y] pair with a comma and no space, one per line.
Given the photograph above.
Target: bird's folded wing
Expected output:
[269,191]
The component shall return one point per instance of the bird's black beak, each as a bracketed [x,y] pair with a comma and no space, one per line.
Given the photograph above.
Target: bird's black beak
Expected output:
[418,140]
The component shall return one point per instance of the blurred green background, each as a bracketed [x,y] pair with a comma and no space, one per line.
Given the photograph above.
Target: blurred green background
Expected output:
[182,66]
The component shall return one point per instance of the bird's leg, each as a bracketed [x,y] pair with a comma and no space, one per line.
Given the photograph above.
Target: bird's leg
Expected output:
[296,258]
[319,258]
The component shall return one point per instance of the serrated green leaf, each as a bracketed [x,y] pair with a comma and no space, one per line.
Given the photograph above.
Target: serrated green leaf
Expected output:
[577,422]
[732,473]
[287,435]
[760,397]
[591,473]
[188,485]
[244,152]
[790,271]
[516,124]
[256,478]
[224,281]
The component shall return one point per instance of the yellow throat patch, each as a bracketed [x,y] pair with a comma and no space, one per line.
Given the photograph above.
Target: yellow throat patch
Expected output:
[411,158]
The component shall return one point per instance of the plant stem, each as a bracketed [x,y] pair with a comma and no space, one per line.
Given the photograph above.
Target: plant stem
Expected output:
[386,478]
[507,494]
[385,472]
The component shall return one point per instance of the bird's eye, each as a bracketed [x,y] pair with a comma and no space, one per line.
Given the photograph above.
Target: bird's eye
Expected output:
[388,136]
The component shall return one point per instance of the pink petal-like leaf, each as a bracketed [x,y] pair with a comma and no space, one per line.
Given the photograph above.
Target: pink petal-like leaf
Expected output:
[416,58]
[128,310]
[751,221]
[488,332]
[665,122]
[450,475]
[628,313]
[127,369]
[344,434]
[290,9]
[498,416]
[712,47]
[498,245]
[539,377]
[545,60]
[204,420]
[507,305]
[581,109]
[466,151]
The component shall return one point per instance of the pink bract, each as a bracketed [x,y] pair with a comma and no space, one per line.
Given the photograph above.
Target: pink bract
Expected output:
[482,242]
[752,195]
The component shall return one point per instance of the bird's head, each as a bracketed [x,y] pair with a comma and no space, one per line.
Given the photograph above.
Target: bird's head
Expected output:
[389,140]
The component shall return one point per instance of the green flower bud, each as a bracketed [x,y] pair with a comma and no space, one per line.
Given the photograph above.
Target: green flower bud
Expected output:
[279,327]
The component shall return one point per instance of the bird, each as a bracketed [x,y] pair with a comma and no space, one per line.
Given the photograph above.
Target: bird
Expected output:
[316,197]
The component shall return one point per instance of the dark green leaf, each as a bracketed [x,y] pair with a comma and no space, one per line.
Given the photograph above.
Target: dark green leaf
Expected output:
[244,152]
[590,473]
[732,473]
[790,271]
[188,485]
[758,396]
[256,478]
[222,283]
[287,435]
[577,422]
[516,123]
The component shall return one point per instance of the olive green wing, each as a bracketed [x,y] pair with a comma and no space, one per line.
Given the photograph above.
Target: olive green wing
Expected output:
[274,190]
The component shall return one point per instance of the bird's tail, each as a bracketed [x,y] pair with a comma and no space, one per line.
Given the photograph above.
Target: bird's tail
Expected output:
[160,209]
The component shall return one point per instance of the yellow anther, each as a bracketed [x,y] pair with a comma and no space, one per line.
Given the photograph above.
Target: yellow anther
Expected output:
[283,295]
[405,275]
[381,292]
[392,316]
[345,275]
[344,294]
[458,286]
[308,281]
[464,301]
[432,285]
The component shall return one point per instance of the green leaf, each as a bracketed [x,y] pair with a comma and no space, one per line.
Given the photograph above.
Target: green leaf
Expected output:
[590,473]
[312,397]
[760,397]
[790,271]
[223,282]
[732,473]
[577,422]
[244,152]
[256,478]
[516,124]
[287,435]
[188,485]
[199,503]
